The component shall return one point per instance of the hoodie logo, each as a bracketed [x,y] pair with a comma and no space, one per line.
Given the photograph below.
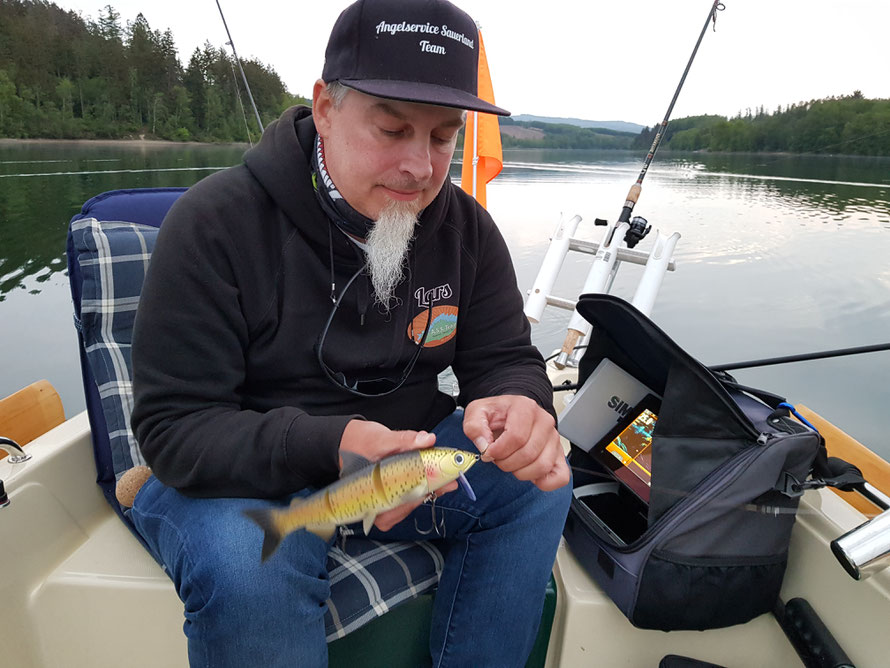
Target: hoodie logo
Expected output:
[424,296]
[442,329]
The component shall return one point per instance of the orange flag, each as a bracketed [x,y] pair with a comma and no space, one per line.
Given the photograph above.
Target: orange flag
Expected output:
[482,139]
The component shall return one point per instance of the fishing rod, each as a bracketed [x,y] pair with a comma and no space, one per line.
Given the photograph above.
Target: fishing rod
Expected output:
[606,262]
[636,188]
[769,361]
[231,43]
[803,357]
[241,105]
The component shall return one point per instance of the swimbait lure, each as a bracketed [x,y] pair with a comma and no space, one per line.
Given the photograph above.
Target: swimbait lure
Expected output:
[365,490]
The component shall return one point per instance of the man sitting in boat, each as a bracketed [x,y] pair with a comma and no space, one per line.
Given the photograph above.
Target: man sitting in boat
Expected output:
[301,305]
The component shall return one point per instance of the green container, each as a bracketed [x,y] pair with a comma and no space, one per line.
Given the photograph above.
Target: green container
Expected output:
[400,638]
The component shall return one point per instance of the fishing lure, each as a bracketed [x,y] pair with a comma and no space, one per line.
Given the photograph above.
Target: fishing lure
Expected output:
[365,490]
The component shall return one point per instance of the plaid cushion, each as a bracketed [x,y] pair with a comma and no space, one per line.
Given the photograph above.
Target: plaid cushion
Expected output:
[113,258]
[367,577]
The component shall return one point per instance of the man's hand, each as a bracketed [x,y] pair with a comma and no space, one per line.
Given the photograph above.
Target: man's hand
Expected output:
[520,437]
[373,441]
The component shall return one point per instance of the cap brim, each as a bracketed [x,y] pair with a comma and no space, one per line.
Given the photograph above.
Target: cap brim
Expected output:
[425,93]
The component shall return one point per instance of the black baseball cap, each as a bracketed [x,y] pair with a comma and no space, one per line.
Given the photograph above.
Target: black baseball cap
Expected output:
[413,50]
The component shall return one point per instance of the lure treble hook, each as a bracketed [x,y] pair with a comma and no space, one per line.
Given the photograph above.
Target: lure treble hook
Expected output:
[435,526]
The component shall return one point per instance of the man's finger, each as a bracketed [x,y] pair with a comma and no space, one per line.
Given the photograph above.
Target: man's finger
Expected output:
[557,477]
[525,456]
[476,426]
[521,425]
[406,441]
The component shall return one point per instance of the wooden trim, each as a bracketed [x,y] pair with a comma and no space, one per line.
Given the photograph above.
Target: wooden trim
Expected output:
[840,444]
[30,412]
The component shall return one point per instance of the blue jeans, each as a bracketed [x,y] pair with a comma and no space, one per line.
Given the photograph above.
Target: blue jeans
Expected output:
[238,612]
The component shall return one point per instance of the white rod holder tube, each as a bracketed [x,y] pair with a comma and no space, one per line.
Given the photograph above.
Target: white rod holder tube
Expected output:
[656,266]
[553,260]
[596,282]
[600,270]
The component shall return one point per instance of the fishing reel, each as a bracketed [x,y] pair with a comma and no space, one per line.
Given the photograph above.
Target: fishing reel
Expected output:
[639,228]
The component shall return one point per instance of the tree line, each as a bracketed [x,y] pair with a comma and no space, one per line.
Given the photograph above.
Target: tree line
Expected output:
[851,124]
[564,135]
[63,76]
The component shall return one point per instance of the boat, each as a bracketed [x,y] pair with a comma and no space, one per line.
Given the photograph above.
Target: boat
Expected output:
[78,589]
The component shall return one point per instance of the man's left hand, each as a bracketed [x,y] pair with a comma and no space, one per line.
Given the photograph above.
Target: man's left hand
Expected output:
[520,437]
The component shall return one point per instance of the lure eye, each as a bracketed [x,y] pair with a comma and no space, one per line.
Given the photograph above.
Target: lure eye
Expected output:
[458,459]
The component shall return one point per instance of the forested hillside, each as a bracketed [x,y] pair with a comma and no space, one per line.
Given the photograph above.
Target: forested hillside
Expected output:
[849,125]
[561,135]
[62,76]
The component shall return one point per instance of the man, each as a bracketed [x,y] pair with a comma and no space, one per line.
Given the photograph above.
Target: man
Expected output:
[302,305]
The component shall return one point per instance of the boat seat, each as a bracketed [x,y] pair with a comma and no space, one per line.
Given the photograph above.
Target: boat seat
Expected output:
[109,247]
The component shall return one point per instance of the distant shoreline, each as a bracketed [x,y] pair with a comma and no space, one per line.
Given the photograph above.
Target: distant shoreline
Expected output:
[160,143]
[116,142]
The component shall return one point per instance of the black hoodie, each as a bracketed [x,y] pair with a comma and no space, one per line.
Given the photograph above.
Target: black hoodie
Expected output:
[230,399]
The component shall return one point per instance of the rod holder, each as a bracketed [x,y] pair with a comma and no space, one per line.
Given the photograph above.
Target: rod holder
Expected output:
[656,266]
[599,272]
[865,550]
[556,255]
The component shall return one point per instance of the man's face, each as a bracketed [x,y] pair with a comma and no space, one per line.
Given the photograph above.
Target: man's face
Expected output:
[378,150]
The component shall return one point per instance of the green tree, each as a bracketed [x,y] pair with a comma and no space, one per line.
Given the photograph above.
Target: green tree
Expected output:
[7,99]
[65,93]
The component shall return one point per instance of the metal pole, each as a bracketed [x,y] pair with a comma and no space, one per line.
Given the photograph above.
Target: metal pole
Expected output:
[475,150]
[241,104]
[238,60]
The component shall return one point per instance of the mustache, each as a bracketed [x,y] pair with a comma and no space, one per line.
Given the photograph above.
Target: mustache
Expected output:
[406,185]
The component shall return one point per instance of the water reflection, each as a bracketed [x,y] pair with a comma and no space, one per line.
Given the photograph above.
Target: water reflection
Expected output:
[778,255]
[43,184]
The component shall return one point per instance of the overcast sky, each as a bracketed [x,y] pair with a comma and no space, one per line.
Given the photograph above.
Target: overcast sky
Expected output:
[616,60]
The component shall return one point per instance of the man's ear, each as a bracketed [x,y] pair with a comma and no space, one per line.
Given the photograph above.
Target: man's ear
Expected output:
[322,106]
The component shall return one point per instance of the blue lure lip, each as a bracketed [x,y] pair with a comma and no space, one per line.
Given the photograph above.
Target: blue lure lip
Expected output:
[462,479]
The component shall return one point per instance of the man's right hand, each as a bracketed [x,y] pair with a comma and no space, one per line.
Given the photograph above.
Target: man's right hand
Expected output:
[374,441]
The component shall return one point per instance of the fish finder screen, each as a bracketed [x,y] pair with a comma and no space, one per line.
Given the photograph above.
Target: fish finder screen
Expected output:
[627,450]
[633,446]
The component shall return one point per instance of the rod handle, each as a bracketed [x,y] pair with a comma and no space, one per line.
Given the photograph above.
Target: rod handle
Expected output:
[572,337]
[633,195]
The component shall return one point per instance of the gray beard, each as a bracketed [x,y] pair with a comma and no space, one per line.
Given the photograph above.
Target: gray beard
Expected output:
[387,250]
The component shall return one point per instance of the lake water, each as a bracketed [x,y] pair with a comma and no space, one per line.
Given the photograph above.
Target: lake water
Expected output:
[779,255]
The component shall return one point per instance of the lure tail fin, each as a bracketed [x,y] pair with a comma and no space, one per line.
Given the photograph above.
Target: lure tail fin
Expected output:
[271,533]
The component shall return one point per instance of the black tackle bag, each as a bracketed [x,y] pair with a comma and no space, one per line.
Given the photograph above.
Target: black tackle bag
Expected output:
[727,469]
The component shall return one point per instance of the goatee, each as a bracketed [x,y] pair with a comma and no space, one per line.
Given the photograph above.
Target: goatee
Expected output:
[387,249]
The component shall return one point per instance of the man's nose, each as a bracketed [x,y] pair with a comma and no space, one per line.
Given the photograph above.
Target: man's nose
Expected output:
[417,161]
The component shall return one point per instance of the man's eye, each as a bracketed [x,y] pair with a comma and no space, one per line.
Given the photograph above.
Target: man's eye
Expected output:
[391,133]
